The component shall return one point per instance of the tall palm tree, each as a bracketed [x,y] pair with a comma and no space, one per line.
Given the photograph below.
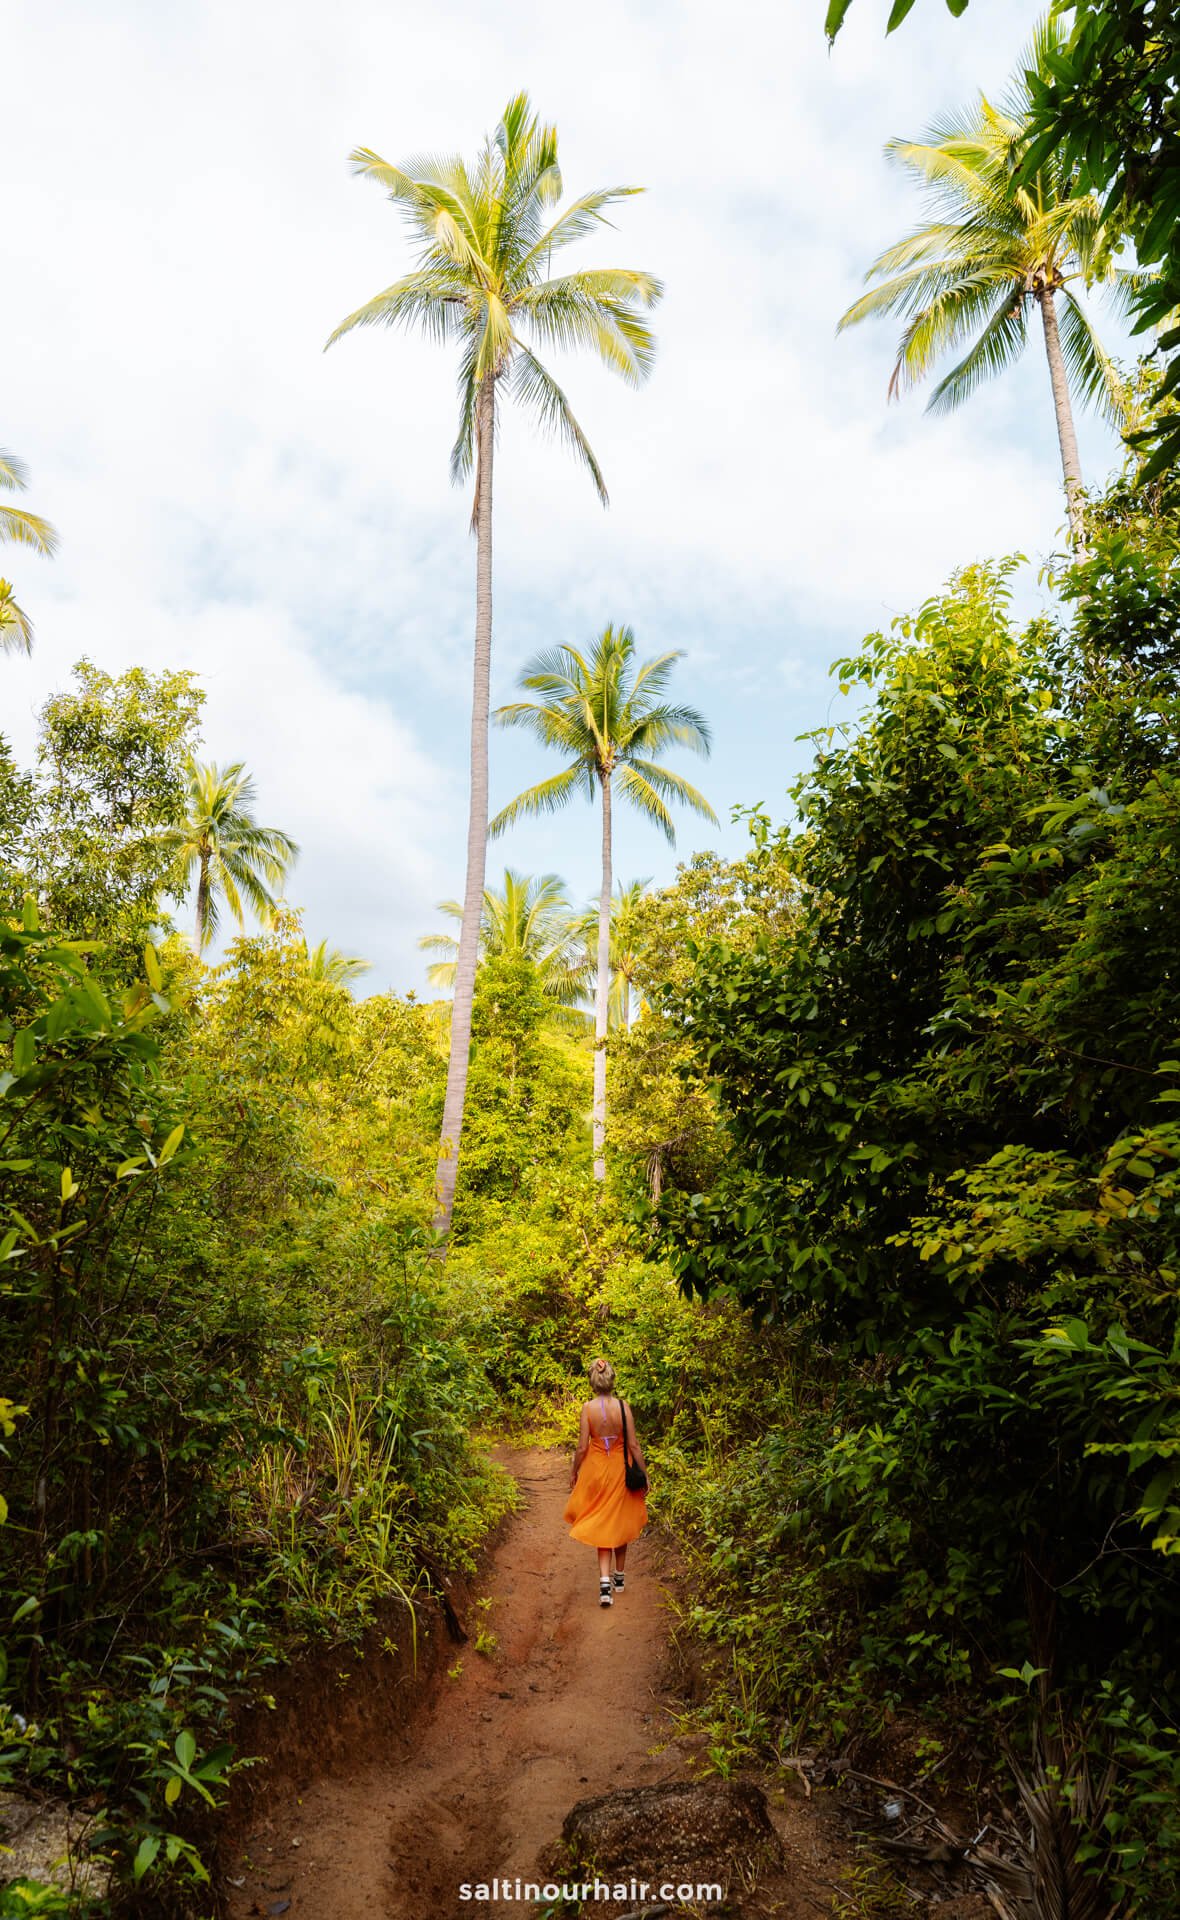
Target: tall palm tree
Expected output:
[626,946]
[606,717]
[993,251]
[26,530]
[531,919]
[335,968]
[485,282]
[233,857]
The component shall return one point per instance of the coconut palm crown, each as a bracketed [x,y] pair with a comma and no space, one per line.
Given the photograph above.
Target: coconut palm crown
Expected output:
[332,967]
[991,253]
[485,283]
[488,237]
[627,922]
[234,859]
[528,918]
[606,717]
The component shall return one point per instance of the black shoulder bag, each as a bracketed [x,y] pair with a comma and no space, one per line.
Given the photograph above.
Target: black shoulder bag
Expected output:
[634,1475]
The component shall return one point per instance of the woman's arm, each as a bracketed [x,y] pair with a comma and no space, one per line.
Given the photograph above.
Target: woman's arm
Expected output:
[583,1445]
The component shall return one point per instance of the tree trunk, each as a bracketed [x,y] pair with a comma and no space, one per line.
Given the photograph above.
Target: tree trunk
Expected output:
[1071,465]
[602,995]
[477,818]
[202,904]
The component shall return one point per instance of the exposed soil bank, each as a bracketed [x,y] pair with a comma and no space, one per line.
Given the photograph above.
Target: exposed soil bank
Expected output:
[471,1782]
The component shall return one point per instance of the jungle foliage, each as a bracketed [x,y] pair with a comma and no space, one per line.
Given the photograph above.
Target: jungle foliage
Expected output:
[235,1413]
[240,1392]
[948,1097]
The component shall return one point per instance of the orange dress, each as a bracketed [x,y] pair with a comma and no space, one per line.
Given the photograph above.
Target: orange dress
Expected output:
[601,1510]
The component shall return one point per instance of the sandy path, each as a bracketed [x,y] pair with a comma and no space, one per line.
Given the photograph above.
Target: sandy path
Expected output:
[568,1705]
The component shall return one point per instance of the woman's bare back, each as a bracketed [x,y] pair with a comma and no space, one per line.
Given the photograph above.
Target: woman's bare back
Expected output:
[604,1416]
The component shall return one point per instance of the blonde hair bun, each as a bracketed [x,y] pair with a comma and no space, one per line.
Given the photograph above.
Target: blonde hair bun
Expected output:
[602,1376]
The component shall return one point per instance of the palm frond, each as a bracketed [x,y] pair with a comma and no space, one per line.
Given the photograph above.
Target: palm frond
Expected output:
[1000,343]
[548,796]
[225,881]
[432,299]
[16,629]
[938,242]
[436,193]
[554,670]
[671,786]
[964,177]
[1089,369]
[334,968]
[27,530]
[496,338]
[654,675]
[563,315]
[14,475]
[948,299]
[239,879]
[580,218]
[538,391]
[463,451]
[212,923]
[666,726]
[636,788]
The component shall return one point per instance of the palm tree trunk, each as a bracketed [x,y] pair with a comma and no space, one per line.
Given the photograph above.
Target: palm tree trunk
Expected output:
[1071,465]
[202,905]
[602,995]
[477,818]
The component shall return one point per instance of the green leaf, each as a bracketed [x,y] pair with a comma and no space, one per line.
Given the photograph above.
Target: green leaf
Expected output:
[834,20]
[170,1145]
[1154,1499]
[145,1855]
[172,1790]
[151,966]
[22,1050]
[897,14]
[185,1749]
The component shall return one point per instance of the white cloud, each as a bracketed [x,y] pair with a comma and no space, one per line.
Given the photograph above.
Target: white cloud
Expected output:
[338,770]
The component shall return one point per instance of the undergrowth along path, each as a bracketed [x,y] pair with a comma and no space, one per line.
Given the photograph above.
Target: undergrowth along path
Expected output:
[571,1701]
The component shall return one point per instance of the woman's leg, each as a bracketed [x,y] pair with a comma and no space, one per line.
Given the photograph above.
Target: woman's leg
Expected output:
[620,1559]
[604,1554]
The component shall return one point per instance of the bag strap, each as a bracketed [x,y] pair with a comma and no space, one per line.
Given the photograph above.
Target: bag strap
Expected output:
[623,1415]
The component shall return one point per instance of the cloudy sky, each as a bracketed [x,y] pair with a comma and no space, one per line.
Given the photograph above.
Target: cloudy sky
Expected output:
[183,236]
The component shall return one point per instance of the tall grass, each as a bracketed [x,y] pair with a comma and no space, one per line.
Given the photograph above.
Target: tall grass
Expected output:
[337,1520]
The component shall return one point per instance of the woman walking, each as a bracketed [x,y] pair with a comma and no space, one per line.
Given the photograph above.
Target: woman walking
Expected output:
[603,1511]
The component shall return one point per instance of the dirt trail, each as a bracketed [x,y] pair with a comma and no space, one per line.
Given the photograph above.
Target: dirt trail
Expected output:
[568,1705]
